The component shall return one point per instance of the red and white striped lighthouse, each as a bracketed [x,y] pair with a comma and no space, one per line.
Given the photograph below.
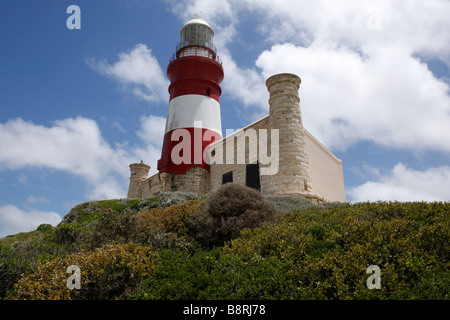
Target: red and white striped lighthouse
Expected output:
[195,73]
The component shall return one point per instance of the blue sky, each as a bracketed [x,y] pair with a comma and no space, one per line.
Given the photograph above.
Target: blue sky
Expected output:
[78,106]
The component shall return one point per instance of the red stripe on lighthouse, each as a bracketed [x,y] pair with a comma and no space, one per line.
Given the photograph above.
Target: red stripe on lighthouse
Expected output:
[195,75]
[198,140]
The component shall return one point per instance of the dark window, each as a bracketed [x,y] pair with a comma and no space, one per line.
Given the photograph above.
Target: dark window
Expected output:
[227,177]
[208,92]
[252,176]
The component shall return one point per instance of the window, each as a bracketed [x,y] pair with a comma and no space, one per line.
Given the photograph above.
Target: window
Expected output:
[252,176]
[227,177]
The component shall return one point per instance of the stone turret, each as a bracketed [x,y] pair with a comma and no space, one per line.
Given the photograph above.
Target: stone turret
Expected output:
[293,175]
[139,172]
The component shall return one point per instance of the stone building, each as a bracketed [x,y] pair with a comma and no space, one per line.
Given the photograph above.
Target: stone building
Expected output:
[275,154]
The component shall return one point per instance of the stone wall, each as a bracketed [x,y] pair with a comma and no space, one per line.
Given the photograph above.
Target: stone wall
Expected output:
[196,181]
[226,154]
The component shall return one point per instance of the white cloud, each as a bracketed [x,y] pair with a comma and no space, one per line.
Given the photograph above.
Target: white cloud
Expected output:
[415,25]
[36,199]
[405,184]
[152,134]
[390,97]
[218,11]
[22,178]
[362,80]
[118,126]
[14,220]
[73,144]
[152,130]
[77,146]
[246,85]
[138,70]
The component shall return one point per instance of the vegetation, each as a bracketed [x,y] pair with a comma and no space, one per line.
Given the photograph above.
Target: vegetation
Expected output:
[229,210]
[235,244]
[110,272]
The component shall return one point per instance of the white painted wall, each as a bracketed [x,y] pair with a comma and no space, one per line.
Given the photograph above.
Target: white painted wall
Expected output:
[325,170]
[186,109]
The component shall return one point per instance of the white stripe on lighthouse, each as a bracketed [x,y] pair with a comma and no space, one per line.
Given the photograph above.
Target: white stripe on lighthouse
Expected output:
[186,109]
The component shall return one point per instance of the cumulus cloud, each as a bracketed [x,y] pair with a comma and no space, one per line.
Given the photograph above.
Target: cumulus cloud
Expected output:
[76,145]
[14,220]
[390,98]
[405,184]
[244,84]
[363,79]
[218,11]
[415,25]
[152,135]
[138,70]
[152,130]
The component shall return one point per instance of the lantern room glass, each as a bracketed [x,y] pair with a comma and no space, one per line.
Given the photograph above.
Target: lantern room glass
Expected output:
[196,35]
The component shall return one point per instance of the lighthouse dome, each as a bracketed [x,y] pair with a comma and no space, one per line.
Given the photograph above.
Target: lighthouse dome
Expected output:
[197,19]
[198,33]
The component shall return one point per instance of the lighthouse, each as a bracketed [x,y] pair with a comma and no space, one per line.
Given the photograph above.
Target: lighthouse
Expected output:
[193,146]
[193,120]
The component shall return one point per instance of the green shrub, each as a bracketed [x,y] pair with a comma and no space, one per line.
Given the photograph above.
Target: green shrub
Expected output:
[166,227]
[310,252]
[113,227]
[288,203]
[228,210]
[167,199]
[66,234]
[209,274]
[112,272]
[329,250]
[180,275]
[11,268]
[44,227]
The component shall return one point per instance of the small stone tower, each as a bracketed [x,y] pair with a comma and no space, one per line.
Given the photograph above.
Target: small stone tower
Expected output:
[293,175]
[139,172]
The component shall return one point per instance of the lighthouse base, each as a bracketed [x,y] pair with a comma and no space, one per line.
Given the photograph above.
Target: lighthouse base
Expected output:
[195,180]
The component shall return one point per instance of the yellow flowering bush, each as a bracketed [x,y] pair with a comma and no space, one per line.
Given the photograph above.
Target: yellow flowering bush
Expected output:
[166,227]
[111,272]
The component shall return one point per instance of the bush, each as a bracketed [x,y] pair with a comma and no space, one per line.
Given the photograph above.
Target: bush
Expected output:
[209,274]
[167,199]
[166,227]
[312,252]
[329,249]
[288,203]
[44,227]
[66,234]
[230,209]
[11,268]
[113,227]
[180,275]
[112,272]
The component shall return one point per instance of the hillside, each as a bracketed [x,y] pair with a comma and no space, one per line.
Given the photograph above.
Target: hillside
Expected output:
[235,244]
